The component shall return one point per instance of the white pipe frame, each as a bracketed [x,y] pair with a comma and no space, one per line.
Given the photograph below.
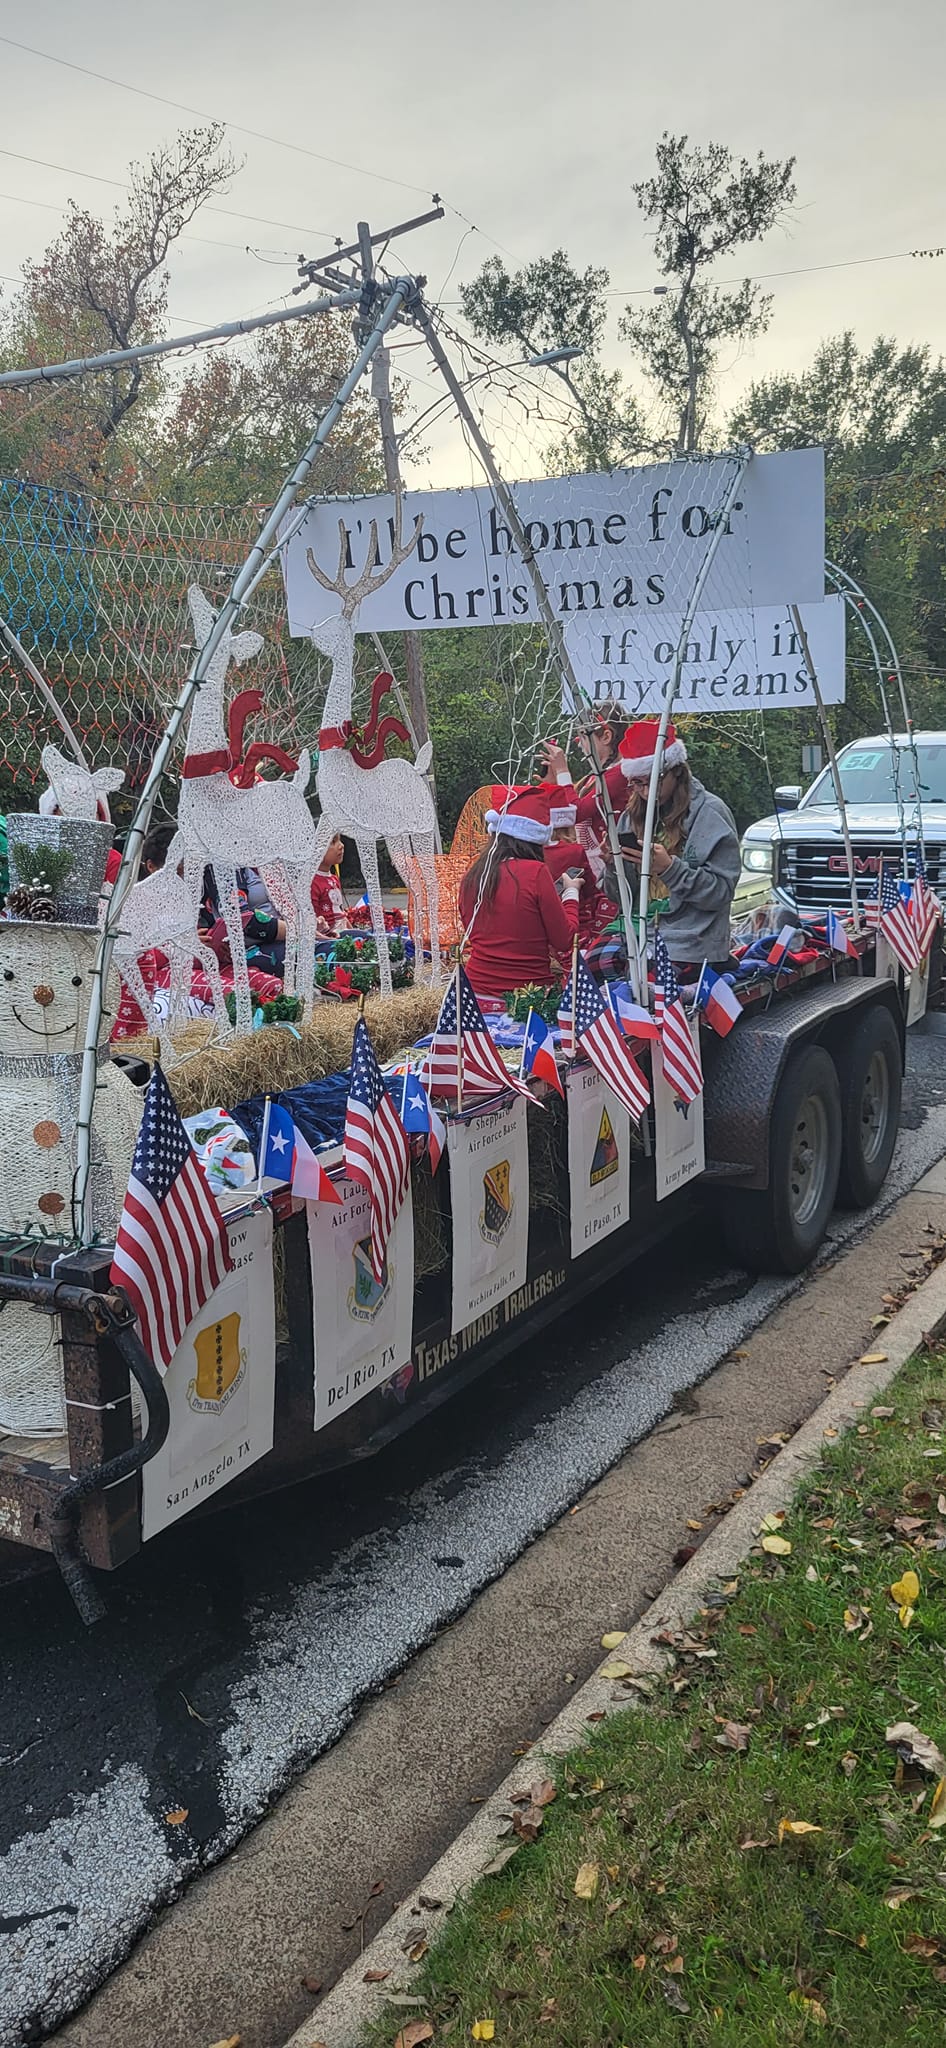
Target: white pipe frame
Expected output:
[112,359]
[860,605]
[721,522]
[828,738]
[254,568]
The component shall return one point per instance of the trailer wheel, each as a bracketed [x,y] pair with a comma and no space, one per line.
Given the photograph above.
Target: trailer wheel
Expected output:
[869,1072]
[778,1229]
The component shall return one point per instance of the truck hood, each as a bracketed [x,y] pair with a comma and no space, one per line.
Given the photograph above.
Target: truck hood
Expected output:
[872,821]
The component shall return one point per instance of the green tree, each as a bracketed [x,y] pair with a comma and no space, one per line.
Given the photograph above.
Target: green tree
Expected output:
[880,414]
[96,289]
[702,205]
[548,305]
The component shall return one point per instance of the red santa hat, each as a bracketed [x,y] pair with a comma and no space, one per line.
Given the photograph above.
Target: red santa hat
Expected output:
[638,749]
[520,811]
[562,801]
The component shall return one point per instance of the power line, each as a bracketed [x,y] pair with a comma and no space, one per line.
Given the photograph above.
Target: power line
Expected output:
[180,107]
[208,241]
[763,276]
[97,178]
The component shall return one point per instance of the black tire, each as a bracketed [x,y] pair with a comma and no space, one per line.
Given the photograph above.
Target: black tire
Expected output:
[870,1077]
[778,1229]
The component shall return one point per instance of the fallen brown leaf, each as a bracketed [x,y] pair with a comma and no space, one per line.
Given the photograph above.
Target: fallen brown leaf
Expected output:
[734,1735]
[798,1827]
[923,1945]
[673,1994]
[501,1859]
[375,1976]
[915,1747]
[413,2034]
[900,1896]
[639,1963]
[233,2041]
[177,1816]
[543,1793]
[765,1842]
[312,1984]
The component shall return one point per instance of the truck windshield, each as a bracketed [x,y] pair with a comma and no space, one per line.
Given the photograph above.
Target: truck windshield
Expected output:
[867,777]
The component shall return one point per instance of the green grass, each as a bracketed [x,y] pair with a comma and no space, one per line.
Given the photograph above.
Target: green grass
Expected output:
[662,1810]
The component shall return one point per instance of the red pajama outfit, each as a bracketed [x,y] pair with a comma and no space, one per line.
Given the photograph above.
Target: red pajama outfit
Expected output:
[524,935]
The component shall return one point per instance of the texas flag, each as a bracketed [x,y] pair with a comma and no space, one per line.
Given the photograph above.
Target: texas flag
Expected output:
[309,1178]
[718,1001]
[838,936]
[786,939]
[538,1059]
[634,1019]
[420,1119]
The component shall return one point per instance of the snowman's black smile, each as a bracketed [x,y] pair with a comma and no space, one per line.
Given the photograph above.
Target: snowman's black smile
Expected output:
[61,1033]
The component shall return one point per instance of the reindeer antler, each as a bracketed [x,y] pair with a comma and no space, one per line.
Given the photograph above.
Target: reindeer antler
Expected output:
[372,576]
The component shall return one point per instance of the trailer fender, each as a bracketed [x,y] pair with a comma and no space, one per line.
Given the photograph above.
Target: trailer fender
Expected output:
[743,1071]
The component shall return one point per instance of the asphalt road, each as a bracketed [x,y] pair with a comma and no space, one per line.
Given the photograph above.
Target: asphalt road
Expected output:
[236,1651]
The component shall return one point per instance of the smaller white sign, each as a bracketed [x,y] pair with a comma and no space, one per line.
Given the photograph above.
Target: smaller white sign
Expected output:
[734,660]
[918,991]
[361,1327]
[220,1384]
[679,1145]
[599,1159]
[489,1193]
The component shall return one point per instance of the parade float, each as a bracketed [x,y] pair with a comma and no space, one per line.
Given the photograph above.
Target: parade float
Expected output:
[250,1244]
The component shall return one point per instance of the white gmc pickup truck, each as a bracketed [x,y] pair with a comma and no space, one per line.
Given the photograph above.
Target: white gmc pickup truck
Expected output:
[798,854]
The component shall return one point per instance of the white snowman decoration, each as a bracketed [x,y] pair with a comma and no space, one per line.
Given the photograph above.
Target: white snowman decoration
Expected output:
[45,991]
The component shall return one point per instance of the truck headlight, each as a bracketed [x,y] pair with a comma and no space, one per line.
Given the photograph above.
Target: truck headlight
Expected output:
[757,860]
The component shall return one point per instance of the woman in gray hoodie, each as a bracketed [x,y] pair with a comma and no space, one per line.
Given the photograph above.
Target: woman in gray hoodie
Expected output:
[695,859]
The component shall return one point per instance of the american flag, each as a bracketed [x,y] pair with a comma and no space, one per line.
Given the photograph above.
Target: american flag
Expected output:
[894,921]
[377,1150]
[463,1044]
[681,1058]
[171,1250]
[925,906]
[598,1035]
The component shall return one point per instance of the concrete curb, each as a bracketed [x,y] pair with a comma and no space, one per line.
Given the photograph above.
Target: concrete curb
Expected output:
[340,2019]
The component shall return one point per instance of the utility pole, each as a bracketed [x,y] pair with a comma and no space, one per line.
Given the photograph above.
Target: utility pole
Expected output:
[381,393]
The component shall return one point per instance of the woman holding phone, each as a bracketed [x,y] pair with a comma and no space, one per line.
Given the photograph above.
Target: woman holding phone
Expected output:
[694,857]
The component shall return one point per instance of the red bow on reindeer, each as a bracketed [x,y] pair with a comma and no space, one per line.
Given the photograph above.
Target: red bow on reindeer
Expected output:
[231,760]
[366,743]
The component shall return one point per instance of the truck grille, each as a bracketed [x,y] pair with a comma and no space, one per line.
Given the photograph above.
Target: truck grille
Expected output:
[814,873]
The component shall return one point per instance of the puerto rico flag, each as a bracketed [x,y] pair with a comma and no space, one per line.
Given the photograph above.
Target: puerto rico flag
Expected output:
[718,1001]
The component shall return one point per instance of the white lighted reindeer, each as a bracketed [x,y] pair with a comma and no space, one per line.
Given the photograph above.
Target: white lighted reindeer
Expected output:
[159,913]
[380,799]
[229,819]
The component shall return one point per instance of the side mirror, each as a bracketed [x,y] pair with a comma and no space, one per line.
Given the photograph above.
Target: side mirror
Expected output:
[788,796]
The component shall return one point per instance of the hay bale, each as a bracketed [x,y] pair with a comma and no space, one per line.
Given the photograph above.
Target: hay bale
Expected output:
[207,1075]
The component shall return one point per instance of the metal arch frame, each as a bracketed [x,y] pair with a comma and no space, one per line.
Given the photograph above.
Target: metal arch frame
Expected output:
[858,603]
[387,305]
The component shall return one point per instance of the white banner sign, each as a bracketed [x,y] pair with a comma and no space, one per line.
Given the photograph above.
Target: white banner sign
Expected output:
[627,541]
[361,1330]
[489,1193]
[734,661]
[220,1384]
[599,1159]
[679,1147]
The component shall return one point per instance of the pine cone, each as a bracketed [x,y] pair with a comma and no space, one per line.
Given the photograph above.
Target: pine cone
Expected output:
[19,902]
[42,909]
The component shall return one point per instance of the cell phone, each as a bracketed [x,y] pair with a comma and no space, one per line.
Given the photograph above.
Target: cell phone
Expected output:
[629,842]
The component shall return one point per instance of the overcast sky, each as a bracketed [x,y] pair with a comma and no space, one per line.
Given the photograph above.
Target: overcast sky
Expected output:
[533,121]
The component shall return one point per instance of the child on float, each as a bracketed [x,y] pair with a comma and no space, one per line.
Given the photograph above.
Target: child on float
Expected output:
[564,856]
[327,899]
[523,923]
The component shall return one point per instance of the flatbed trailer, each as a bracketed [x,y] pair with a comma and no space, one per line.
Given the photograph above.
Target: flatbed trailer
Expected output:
[801,1110]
